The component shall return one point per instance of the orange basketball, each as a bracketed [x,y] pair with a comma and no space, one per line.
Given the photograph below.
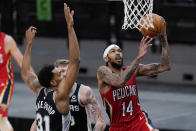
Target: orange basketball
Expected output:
[159,25]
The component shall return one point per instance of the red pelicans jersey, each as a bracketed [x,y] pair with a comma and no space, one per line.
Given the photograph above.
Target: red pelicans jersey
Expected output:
[6,76]
[122,104]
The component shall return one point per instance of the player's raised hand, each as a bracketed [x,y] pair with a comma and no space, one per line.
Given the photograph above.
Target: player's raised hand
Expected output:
[30,33]
[144,45]
[68,16]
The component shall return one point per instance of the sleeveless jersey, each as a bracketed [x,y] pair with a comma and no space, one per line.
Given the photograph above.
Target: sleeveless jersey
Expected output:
[6,68]
[47,116]
[122,104]
[6,76]
[80,115]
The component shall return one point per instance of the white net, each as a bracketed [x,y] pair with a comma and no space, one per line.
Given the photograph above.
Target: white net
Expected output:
[138,14]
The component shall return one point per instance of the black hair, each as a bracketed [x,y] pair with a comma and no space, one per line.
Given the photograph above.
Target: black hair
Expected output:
[45,75]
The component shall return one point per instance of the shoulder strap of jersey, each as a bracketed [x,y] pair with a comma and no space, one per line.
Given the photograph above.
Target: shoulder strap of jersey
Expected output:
[2,37]
[2,34]
[50,96]
[77,88]
[41,91]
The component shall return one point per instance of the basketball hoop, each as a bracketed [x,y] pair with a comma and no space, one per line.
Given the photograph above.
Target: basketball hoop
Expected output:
[134,11]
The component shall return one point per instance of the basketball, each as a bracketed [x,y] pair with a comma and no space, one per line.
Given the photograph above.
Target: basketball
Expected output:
[159,25]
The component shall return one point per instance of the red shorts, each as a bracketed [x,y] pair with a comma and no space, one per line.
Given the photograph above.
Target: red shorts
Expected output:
[140,123]
[6,91]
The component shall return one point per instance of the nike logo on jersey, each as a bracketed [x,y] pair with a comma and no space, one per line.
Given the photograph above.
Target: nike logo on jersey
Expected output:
[73,98]
[141,118]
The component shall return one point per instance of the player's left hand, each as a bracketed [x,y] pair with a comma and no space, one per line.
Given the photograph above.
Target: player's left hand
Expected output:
[68,16]
[30,33]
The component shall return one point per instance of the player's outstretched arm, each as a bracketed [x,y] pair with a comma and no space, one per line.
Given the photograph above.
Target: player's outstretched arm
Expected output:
[143,48]
[62,94]
[156,68]
[27,73]
[88,98]
[106,75]
[13,50]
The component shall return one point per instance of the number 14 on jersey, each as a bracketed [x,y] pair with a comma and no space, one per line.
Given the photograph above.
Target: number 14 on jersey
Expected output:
[127,109]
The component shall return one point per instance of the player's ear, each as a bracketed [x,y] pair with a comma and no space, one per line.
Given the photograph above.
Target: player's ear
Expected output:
[106,59]
[53,83]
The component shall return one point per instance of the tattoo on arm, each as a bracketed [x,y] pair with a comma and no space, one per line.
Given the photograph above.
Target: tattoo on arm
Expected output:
[131,70]
[165,59]
[108,77]
[156,68]
[114,79]
[153,67]
[163,40]
[31,79]
[33,82]
[95,110]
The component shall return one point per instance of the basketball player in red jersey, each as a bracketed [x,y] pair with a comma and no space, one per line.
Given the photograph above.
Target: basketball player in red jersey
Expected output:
[8,49]
[117,85]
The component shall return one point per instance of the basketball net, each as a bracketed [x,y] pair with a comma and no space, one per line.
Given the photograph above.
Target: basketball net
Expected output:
[135,10]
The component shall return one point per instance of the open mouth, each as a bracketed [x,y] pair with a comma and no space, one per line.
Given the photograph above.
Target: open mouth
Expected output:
[118,58]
